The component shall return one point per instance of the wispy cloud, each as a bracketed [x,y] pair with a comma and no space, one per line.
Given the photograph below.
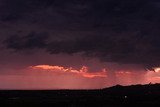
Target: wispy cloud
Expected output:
[84,71]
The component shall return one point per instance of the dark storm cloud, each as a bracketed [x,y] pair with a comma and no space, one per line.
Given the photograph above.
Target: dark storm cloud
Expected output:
[30,41]
[95,12]
[13,10]
[111,49]
[123,31]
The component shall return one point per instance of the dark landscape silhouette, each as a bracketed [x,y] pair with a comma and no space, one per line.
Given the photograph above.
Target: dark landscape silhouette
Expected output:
[134,95]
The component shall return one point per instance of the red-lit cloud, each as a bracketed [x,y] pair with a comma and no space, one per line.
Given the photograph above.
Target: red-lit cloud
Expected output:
[153,76]
[54,77]
[157,69]
[84,71]
[60,77]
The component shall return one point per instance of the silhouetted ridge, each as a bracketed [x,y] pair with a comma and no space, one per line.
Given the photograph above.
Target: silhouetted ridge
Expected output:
[130,96]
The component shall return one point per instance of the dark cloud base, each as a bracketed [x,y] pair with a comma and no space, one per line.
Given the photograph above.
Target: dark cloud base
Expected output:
[122,31]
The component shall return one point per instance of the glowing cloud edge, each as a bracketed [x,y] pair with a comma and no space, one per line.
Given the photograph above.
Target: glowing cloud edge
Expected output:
[83,71]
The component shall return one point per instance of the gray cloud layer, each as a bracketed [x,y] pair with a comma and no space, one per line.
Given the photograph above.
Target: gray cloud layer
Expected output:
[123,31]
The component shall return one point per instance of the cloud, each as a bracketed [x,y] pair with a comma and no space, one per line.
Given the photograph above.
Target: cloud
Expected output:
[113,30]
[59,77]
[84,71]
[123,50]
[30,41]
[13,11]
[137,50]
[81,12]
[153,76]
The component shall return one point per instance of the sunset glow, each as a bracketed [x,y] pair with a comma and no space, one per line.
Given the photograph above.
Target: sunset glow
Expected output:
[153,76]
[62,77]
[78,44]
[83,71]
[157,69]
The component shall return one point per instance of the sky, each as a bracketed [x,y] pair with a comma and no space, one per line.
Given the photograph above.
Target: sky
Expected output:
[78,44]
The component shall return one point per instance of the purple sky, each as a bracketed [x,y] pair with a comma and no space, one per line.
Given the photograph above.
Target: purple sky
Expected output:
[116,40]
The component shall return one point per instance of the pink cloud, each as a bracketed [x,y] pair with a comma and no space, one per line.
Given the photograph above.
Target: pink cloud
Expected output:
[84,71]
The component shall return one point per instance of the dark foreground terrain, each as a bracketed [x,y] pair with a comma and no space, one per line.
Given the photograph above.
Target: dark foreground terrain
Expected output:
[135,95]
